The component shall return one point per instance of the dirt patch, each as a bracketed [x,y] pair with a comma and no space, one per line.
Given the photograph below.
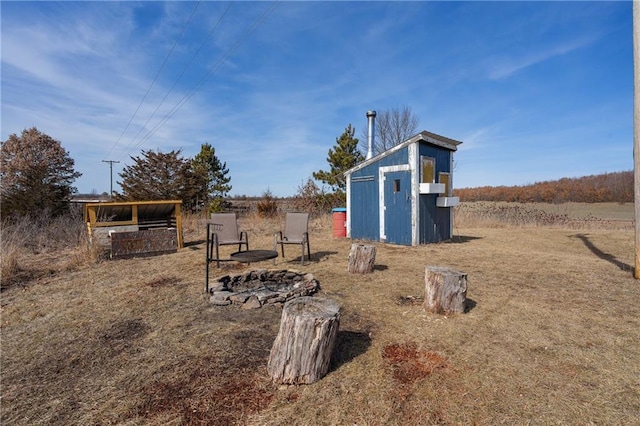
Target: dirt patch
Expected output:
[163,282]
[119,337]
[409,364]
[204,396]
[410,300]
[126,330]
[223,387]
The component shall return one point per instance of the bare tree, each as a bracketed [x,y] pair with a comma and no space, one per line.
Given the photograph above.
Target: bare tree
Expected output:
[393,127]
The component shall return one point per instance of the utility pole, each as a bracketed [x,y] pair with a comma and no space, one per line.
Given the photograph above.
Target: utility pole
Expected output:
[111,171]
[636,130]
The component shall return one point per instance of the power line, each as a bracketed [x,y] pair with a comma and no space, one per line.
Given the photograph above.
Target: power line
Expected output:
[184,70]
[214,68]
[166,59]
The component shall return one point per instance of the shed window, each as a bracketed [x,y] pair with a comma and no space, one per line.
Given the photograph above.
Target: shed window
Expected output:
[446,179]
[428,169]
[396,185]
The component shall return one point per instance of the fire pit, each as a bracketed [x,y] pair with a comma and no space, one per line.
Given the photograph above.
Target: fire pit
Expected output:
[257,288]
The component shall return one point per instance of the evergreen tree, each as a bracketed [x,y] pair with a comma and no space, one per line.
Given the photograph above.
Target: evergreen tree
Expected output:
[36,174]
[159,176]
[341,158]
[212,177]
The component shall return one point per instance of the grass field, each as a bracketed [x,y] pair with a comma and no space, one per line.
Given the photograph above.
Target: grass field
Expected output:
[550,337]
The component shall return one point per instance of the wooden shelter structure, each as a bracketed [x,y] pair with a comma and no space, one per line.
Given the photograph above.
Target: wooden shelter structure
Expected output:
[133,228]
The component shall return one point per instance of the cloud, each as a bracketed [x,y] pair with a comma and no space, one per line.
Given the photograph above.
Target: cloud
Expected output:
[79,70]
[505,67]
[477,138]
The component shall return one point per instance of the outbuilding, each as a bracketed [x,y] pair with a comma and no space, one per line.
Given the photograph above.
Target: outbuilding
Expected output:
[404,195]
[136,228]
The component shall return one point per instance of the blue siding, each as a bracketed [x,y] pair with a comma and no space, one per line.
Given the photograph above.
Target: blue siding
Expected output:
[430,215]
[365,211]
[426,213]
[397,224]
[435,222]
[395,159]
[442,219]
[397,216]
[441,155]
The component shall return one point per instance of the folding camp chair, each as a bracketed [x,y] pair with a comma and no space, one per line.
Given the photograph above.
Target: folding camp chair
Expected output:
[295,232]
[224,232]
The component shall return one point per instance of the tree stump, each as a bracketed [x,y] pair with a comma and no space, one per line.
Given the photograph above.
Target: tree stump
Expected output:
[361,259]
[445,290]
[302,350]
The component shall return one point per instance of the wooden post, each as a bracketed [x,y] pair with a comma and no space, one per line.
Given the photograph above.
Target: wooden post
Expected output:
[636,130]
[302,350]
[445,290]
[361,259]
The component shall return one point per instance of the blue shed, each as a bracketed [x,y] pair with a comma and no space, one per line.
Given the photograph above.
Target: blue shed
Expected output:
[404,195]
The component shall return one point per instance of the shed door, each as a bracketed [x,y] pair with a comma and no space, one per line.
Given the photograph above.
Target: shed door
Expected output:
[397,205]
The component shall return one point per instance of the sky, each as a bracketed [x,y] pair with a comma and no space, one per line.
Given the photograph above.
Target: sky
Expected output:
[535,91]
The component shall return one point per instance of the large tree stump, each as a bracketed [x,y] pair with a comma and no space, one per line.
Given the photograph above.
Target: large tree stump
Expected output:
[302,350]
[445,290]
[361,259]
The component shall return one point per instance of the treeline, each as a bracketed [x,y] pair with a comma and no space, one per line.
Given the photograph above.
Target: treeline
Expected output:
[608,187]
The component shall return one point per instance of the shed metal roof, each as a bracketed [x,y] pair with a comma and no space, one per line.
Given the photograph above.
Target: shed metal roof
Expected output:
[450,144]
[429,137]
[146,209]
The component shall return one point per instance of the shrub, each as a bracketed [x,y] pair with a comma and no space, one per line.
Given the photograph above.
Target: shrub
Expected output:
[268,206]
[218,205]
[11,246]
[25,236]
[310,198]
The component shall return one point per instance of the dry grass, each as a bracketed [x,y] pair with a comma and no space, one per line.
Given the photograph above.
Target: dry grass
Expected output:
[27,245]
[568,215]
[550,337]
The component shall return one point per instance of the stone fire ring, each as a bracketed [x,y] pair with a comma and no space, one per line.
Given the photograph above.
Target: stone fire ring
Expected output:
[255,289]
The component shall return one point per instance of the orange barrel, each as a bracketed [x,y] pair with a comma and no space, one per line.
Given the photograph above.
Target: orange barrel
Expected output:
[339,222]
